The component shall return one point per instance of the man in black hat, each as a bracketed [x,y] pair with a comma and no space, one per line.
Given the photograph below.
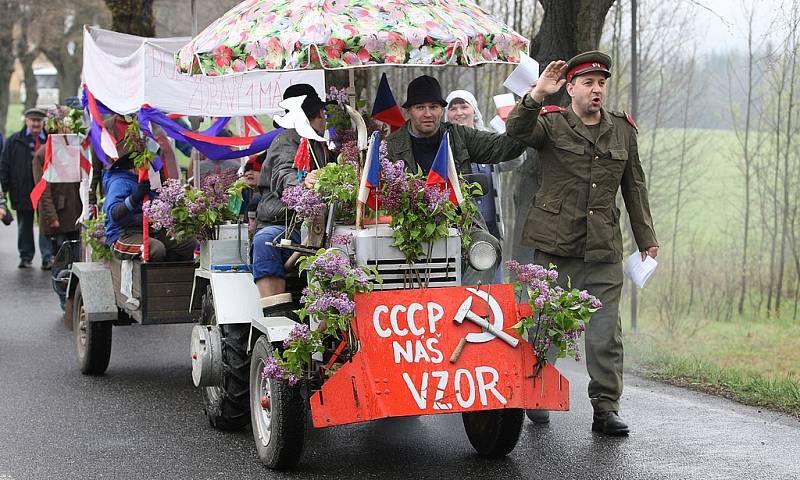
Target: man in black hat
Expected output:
[587,154]
[417,142]
[16,177]
[277,174]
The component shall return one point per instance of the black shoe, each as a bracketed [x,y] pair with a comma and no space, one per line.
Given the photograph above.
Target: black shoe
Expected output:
[540,417]
[609,423]
[24,264]
[47,265]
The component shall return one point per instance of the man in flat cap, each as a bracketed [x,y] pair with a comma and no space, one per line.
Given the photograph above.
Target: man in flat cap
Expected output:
[417,142]
[587,154]
[16,176]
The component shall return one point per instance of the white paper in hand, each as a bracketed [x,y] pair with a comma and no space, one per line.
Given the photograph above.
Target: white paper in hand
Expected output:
[639,271]
[524,76]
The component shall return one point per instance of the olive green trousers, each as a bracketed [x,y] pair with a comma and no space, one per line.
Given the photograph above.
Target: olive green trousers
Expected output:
[604,353]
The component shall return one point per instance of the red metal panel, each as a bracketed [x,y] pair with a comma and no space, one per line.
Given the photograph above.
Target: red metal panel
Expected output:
[403,366]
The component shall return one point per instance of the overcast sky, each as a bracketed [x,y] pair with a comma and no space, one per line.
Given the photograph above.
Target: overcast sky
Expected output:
[724,23]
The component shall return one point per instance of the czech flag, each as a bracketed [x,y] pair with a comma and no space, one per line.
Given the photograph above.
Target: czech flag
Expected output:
[385,107]
[372,173]
[443,171]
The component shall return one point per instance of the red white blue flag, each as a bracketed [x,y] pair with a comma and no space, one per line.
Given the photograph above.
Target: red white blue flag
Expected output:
[443,171]
[372,173]
[385,107]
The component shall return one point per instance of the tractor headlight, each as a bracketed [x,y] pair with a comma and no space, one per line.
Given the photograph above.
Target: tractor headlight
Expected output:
[482,255]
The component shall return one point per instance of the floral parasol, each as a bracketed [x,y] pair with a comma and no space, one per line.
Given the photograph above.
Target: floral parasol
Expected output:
[335,34]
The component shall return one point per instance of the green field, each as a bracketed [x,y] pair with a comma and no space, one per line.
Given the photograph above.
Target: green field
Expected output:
[751,358]
[14,120]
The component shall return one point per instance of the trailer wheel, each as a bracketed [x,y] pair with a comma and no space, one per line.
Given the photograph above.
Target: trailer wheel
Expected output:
[277,412]
[227,406]
[92,339]
[494,433]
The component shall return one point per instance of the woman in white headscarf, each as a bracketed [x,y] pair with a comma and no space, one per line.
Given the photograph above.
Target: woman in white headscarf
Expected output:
[462,109]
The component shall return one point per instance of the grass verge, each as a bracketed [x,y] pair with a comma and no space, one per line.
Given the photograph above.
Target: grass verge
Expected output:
[652,358]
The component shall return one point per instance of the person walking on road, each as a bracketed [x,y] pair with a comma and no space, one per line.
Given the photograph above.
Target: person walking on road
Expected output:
[587,155]
[16,177]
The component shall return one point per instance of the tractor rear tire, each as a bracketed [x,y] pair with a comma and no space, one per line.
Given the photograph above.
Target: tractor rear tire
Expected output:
[494,433]
[227,406]
[92,339]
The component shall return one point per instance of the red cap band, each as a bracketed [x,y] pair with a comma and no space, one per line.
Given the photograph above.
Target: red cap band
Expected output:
[577,68]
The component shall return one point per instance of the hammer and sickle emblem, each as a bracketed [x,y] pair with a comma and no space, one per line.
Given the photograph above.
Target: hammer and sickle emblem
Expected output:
[497,316]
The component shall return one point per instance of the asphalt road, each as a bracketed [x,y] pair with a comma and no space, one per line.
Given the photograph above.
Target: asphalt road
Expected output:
[143,419]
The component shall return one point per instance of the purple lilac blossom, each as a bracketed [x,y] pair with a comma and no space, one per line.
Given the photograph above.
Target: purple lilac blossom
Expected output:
[332,300]
[339,95]
[272,369]
[329,264]
[342,239]
[435,196]
[306,203]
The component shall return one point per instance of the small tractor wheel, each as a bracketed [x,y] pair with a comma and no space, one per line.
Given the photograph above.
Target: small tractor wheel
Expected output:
[92,339]
[494,433]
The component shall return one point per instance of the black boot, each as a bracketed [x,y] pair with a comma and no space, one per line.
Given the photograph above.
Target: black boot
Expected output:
[540,417]
[609,423]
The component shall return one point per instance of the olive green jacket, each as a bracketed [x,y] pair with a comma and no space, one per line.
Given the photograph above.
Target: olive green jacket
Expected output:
[574,213]
[469,146]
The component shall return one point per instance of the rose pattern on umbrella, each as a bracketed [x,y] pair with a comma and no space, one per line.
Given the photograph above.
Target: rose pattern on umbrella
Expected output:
[331,34]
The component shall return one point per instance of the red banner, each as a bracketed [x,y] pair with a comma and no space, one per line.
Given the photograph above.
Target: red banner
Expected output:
[408,362]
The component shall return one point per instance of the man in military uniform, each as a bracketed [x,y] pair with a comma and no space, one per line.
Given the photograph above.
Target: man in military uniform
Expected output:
[587,154]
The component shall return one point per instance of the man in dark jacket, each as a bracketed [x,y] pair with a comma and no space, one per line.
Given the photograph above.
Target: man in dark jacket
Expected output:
[16,176]
[278,174]
[417,142]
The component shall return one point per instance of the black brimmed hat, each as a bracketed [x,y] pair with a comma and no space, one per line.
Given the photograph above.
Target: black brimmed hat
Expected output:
[312,103]
[424,89]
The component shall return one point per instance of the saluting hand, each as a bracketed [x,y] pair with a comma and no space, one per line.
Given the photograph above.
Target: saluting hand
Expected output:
[550,81]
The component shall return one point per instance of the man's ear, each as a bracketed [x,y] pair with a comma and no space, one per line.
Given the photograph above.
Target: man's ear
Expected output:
[569,86]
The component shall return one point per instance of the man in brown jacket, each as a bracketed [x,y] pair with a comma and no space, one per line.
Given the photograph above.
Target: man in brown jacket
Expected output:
[587,154]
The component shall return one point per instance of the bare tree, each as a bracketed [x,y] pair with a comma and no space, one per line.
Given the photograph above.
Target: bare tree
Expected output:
[61,33]
[6,57]
[745,139]
[26,48]
[135,17]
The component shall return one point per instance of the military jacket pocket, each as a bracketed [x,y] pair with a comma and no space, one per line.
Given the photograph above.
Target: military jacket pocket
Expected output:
[542,223]
[570,147]
[618,154]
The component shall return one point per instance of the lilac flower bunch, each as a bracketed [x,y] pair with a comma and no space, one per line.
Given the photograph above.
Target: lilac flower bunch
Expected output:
[342,239]
[305,203]
[559,315]
[274,369]
[421,213]
[337,302]
[339,95]
[185,212]
[94,236]
[332,283]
